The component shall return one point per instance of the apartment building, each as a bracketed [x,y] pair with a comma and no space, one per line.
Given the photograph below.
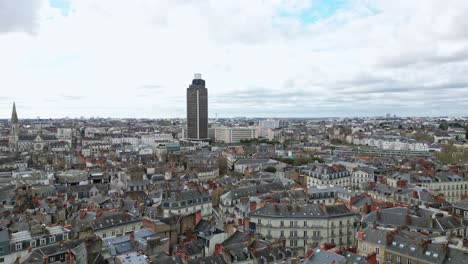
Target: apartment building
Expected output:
[305,226]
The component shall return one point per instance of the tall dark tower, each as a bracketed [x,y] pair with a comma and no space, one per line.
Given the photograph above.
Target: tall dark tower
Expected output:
[14,130]
[197,109]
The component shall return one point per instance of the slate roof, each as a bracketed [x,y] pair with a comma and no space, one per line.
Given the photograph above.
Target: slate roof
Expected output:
[235,238]
[323,256]
[215,259]
[419,219]
[305,211]
[272,254]
[462,204]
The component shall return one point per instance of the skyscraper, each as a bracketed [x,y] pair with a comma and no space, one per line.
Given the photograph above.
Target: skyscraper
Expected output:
[197,109]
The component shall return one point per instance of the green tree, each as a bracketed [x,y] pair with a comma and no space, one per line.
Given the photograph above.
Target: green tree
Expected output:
[443,126]
[423,137]
[270,169]
[223,166]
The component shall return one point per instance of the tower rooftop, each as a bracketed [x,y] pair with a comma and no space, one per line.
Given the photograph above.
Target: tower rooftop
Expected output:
[14,115]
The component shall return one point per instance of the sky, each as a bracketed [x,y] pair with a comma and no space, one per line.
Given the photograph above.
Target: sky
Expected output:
[260,58]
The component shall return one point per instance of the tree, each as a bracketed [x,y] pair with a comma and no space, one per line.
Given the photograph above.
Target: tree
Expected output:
[270,169]
[423,137]
[223,166]
[443,126]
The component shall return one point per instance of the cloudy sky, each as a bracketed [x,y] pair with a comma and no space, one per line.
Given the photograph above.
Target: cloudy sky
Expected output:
[264,58]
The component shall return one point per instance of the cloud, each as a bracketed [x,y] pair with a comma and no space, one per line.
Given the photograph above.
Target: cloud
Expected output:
[262,58]
[151,87]
[71,97]
[19,15]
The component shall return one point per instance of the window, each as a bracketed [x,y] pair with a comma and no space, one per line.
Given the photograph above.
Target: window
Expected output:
[52,239]
[2,260]
[282,233]
[408,261]
[42,241]
[305,233]
[364,247]
[104,235]
[19,246]
[269,232]
[305,223]
[33,243]
[281,223]
[377,250]
[398,259]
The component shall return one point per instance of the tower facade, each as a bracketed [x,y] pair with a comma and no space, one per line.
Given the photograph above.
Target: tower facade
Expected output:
[14,130]
[197,109]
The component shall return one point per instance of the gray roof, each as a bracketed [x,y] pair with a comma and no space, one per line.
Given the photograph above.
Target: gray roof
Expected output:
[304,212]
[255,161]
[462,204]
[4,236]
[324,257]
[418,218]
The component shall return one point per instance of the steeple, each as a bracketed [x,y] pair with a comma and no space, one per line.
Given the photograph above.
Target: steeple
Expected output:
[14,115]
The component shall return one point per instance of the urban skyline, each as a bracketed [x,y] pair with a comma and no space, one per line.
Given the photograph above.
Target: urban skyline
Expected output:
[233,131]
[276,59]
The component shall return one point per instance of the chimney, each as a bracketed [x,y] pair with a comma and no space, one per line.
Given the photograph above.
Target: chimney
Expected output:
[218,249]
[309,253]
[365,208]
[408,219]
[371,258]
[360,235]
[389,237]
[132,239]
[253,206]
[82,213]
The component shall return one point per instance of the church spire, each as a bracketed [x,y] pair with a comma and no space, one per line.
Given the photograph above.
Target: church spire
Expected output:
[14,115]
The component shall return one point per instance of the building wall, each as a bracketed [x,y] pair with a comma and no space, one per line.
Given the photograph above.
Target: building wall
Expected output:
[118,229]
[451,190]
[306,232]
[205,208]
